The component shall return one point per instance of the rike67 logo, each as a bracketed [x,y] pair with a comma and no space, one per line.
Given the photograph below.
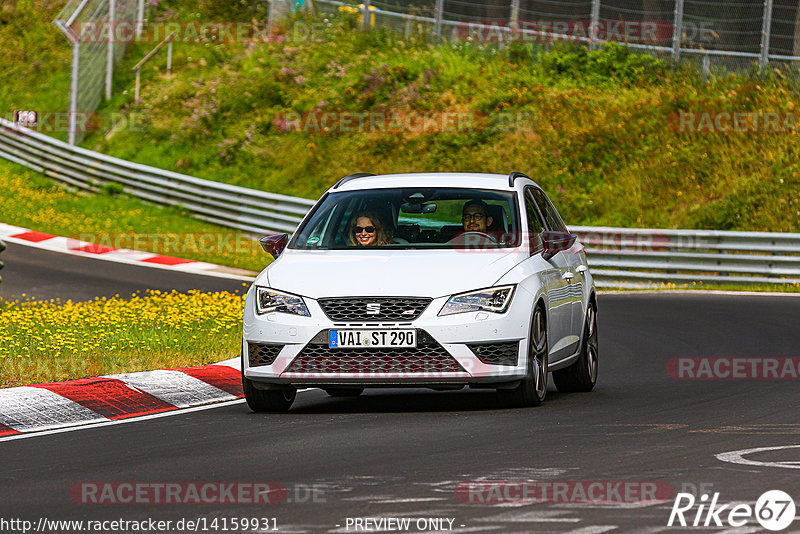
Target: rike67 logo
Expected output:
[774,510]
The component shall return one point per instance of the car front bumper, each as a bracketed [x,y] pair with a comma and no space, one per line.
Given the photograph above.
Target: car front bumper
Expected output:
[446,355]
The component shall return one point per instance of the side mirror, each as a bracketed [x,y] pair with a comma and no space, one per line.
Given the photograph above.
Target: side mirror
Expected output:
[555,242]
[274,244]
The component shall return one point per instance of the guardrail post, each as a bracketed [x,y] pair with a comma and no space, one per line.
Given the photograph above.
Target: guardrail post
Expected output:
[112,15]
[73,92]
[169,57]
[139,18]
[595,24]
[438,13]
[766,29]
[514,13]
[365,14]
[138,85]
[677,30]
[513,27]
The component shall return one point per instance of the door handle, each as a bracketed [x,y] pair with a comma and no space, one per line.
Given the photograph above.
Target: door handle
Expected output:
[567,275]
[582,269]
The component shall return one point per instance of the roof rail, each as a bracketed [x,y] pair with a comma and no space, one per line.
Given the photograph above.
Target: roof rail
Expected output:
[352,177]
[514,175]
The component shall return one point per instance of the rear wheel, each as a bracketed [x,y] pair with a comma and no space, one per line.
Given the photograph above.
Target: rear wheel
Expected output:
[532,389]
[344,392]
[582,375]
[267,400]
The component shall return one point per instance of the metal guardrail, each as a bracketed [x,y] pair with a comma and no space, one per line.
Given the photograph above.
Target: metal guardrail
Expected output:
[632,257]
[623,257]
[227,205]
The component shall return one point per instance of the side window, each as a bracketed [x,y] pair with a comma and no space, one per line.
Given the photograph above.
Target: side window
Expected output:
[535,225]
[548,211]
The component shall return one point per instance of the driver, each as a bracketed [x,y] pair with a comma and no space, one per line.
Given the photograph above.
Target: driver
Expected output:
[474,216]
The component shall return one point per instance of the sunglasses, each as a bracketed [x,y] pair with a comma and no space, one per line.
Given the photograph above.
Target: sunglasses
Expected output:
[368,229]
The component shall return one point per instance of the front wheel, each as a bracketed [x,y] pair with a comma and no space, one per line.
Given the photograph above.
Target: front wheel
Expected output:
[582,375]
[532,389]
[267,400]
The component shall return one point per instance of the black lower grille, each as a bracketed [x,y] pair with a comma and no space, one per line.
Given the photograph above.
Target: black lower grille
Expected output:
[426,358]
[504,353]
[262,354]
[374,309]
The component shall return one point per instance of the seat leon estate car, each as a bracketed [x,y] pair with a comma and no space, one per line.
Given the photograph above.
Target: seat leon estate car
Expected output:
[441,280]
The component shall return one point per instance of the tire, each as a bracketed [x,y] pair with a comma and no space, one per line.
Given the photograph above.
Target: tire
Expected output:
[267,400]
[532,389]
[582,375]
[344,392]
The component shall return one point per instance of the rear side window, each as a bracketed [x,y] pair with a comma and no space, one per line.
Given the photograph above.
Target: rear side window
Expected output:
[551,217]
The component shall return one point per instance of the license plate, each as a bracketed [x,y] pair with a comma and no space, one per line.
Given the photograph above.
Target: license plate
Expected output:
[361,339]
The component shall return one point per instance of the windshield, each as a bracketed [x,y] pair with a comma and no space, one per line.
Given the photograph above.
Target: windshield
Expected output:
[412,218]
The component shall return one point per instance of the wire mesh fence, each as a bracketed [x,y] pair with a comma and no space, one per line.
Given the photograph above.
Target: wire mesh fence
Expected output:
[94,53]
[735,33]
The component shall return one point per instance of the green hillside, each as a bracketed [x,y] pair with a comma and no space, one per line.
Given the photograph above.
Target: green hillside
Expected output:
[600,131]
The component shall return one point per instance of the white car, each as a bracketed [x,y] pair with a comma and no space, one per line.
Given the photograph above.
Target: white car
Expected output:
[439,280]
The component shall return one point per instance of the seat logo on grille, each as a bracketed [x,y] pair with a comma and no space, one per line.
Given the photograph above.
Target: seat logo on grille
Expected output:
[373,308]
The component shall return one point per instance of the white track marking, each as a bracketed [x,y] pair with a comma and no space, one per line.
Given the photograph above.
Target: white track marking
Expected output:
[598,529]
[391,500]
[106,422]
[65,245]
[539,516]
[236,363]
[738,457]
[29,409]
[174,387]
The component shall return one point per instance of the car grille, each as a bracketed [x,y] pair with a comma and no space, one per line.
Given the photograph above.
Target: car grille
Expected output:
[262,354]
[428,357]
[496,353]
[395,309]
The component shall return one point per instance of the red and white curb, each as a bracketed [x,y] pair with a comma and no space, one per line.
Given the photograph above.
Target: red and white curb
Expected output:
[41,407]
[31,238]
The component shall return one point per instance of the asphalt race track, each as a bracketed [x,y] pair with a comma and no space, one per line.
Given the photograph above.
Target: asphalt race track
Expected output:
[404,453]
[44,275]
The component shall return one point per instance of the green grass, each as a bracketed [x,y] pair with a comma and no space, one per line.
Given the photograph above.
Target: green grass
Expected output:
[45,341]
[32,201]
[35,59]
[595,129]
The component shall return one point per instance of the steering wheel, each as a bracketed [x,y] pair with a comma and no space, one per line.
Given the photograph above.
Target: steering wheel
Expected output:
[472,236]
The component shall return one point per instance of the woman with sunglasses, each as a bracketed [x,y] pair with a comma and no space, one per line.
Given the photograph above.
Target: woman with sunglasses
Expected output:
[366,230]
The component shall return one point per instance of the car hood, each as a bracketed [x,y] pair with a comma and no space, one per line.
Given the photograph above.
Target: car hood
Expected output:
[428,273]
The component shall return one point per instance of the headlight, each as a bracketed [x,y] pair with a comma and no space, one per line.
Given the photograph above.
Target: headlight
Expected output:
[270,300]
[492,299]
